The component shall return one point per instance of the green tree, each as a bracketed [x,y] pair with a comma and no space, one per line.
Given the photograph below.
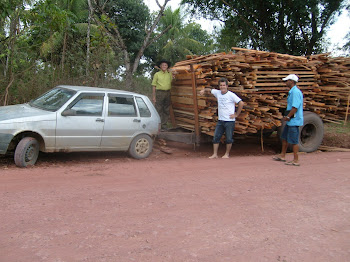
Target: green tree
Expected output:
[346,47]
[181,39]
[65,38]
[294,27]
[12,25]
[55,23]
[131,29]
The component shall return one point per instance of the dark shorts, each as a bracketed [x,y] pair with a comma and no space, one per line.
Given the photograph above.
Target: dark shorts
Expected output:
[222,127]
[291,134]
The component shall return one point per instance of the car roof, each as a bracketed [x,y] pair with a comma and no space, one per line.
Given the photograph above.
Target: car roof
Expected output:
[98,89]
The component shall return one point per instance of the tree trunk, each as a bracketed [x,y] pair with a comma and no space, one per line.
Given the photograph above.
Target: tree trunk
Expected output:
[7,91]
[9,60]
[88,40]
[129,81]
[64,50]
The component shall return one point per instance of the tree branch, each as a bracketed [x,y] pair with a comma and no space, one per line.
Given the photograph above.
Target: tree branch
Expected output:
[159,36]
[148,39]
[242,18]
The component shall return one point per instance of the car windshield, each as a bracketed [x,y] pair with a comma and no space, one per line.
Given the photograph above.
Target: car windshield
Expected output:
[53,99]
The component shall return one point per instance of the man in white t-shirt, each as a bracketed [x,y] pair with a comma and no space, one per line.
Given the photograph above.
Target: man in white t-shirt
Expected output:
[227,101]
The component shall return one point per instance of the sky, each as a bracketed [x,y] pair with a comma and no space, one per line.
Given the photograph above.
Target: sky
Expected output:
[336,32]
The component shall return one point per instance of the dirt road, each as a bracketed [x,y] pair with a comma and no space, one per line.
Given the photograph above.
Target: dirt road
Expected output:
[183,208]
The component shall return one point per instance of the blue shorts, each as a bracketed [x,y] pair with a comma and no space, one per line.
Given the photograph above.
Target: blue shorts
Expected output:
[222,127]
[291,134]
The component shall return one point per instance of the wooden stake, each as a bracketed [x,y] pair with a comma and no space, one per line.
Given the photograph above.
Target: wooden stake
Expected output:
[195,104]
[347,110]
[262,138]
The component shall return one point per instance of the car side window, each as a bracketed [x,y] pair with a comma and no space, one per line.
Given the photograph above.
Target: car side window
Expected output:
[143,108]
[88,105]
[121,105]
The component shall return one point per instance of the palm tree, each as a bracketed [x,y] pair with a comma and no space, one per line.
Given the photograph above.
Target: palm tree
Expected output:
[182,39]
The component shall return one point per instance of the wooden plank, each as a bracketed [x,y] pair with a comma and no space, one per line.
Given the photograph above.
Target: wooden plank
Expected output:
[187,100]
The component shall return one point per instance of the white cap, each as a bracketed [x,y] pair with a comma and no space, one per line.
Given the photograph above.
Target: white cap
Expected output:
[291,77]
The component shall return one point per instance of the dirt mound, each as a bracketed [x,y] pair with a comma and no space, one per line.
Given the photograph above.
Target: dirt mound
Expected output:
[336,140]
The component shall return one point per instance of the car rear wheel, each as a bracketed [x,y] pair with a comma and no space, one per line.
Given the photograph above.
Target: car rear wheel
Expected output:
[141,147]
[27,152]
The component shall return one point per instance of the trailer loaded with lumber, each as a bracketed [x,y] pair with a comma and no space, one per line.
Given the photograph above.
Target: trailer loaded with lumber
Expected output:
[256,77]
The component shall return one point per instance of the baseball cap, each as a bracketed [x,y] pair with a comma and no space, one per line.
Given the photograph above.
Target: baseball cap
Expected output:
[291,77]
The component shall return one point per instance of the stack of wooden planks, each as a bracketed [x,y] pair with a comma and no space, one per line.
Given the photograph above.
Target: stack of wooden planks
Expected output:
[332,96]
[256,77]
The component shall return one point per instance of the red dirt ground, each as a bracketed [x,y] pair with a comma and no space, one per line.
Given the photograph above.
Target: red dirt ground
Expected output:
[176,207]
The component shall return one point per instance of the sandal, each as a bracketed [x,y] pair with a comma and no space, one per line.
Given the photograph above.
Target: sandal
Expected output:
[278,158]
[292,163]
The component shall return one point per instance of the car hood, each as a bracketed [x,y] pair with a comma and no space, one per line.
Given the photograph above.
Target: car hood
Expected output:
[21,112]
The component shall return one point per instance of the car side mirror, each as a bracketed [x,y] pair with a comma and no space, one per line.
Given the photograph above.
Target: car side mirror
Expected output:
[69,112]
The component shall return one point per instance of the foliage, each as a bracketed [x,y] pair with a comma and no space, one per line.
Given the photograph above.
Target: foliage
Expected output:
[130,16]
[347,37]
[182,39]
[295,27]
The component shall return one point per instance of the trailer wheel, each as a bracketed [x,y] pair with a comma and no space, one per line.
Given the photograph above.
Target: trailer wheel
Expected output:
[311,133]
[141,147]
[27,152]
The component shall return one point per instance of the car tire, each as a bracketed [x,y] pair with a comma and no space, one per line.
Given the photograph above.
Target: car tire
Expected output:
[141,146]
[311,133]
[27,152]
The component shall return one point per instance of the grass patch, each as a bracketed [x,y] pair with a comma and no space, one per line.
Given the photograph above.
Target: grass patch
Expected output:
[337,128]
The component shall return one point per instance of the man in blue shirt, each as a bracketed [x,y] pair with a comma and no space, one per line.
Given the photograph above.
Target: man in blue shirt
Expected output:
[294,118]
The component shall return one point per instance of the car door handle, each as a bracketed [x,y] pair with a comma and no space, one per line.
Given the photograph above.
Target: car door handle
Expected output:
[137,120]
[100,120]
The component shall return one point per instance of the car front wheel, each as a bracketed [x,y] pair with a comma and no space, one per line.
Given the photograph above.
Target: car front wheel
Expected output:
[141,146]
[27,152]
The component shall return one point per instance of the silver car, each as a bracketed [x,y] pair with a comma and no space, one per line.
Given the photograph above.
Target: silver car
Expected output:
[79,118]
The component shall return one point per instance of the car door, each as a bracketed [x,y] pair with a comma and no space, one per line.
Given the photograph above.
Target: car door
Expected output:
[80,126]
[121,122]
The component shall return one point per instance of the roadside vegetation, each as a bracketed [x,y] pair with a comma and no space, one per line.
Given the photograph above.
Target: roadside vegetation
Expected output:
[116,44]
[337,135]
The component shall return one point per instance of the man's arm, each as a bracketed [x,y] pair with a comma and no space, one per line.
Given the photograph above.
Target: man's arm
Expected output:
[154,94]
[205,91]
[154,83]
[239,109]
[291,113]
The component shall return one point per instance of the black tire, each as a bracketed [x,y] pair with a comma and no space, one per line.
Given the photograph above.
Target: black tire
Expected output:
[141,147]
[311,133]
[27,152]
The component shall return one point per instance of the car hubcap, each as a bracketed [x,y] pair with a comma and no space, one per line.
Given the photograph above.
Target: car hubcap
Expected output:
[142,146]
[30,153]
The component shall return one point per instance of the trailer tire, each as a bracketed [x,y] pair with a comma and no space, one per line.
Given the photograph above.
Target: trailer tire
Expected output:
[310,134]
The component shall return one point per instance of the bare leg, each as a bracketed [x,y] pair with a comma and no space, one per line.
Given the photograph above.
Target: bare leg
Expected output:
[215,149]
[282,156]
[295,152]
[228,149]
[284,148]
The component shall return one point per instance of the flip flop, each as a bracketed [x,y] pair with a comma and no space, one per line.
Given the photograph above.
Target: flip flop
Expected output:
[277,158]
[292,163]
